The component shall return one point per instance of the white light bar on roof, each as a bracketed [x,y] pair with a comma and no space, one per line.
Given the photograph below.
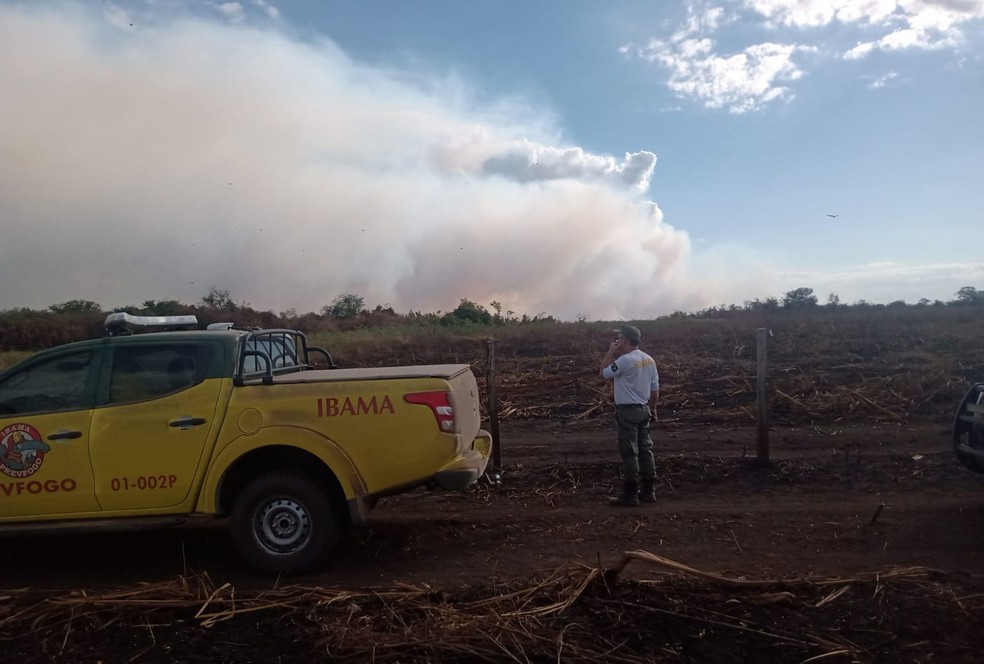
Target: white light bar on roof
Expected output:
[127,322]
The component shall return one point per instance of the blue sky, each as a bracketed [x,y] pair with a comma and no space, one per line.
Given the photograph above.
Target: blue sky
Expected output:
[599,159]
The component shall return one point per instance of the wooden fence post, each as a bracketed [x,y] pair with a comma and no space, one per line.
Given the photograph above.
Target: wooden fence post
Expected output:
[761,334]
[493,407]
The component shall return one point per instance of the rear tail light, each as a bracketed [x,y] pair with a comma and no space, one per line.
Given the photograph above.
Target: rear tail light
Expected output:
[439,404]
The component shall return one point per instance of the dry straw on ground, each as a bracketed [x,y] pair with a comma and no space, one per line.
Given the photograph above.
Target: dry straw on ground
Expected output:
[667,611]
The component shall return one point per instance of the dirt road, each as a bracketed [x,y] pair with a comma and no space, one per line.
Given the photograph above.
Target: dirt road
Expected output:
[832,502]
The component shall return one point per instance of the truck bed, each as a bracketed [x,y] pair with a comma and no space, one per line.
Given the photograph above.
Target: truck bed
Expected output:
[445,371]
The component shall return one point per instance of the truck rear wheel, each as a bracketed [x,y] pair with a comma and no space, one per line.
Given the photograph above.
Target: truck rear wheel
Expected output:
[284,522]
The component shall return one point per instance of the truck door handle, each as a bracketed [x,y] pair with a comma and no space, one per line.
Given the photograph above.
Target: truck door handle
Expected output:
[185,422]
[65,435]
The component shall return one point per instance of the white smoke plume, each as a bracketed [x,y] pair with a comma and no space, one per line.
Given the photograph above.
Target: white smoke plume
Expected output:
[154,161]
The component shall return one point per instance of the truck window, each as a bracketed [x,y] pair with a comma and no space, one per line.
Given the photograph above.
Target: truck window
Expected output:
[141,372]
[58,383]
[280,348]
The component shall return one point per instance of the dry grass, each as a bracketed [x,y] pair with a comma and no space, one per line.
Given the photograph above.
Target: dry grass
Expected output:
[851,364]
[871,365]
[670,612]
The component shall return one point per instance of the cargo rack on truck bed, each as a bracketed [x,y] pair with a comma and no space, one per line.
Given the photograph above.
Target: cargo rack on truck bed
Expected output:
[262,353]
[279,351]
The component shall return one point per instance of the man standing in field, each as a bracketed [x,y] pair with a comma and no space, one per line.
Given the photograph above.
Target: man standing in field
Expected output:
[636,382]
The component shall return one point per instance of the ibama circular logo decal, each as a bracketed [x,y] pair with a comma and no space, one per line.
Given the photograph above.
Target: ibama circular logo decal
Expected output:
[21,450]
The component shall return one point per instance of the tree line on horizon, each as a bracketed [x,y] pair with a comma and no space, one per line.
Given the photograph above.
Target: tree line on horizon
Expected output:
[803,299]
[30,329]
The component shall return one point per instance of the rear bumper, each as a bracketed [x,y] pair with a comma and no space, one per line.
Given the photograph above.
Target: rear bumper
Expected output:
[464,470]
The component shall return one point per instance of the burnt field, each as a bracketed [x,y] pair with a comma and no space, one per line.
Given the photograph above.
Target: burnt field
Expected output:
[860,541]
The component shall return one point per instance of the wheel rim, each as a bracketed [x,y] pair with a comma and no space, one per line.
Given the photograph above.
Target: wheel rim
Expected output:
[282,526]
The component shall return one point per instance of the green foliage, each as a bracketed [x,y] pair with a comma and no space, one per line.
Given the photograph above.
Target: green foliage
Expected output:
[799,299]
[467,313]
[220,300]
[497,308]
[768,305]
[344,307]
[28,330]
[76,307]
[969,295]
[163,308]
[17,314]
[24,329]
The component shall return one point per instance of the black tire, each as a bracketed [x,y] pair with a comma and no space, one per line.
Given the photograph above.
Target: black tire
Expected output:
[284,522]
[965,436]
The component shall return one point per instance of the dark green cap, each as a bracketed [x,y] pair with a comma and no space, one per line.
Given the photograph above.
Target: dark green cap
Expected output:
[630,333]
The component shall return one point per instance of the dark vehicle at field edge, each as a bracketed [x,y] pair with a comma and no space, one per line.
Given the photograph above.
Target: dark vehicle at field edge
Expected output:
[968,429]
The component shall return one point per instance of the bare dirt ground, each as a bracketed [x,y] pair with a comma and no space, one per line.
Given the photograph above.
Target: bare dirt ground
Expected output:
[882,521]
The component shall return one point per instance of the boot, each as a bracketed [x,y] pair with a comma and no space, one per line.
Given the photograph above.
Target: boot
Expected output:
[647,493]
[629,497]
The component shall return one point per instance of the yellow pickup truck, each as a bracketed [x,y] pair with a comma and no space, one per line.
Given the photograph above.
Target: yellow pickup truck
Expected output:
[254,425]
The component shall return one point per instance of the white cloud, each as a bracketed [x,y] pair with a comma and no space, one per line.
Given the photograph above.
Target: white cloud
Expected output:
[859,51]
[747,79]
[267,8]
[882,81]
[154,164]
[232,11]
[814,13]
[744,81]
[117,16]
[702,22]
[942,12]
[904,24]
[904,39]
[525,161]
[920,14]
[741,82]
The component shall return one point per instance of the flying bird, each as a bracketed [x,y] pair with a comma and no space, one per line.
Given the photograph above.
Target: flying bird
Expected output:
[833,216]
